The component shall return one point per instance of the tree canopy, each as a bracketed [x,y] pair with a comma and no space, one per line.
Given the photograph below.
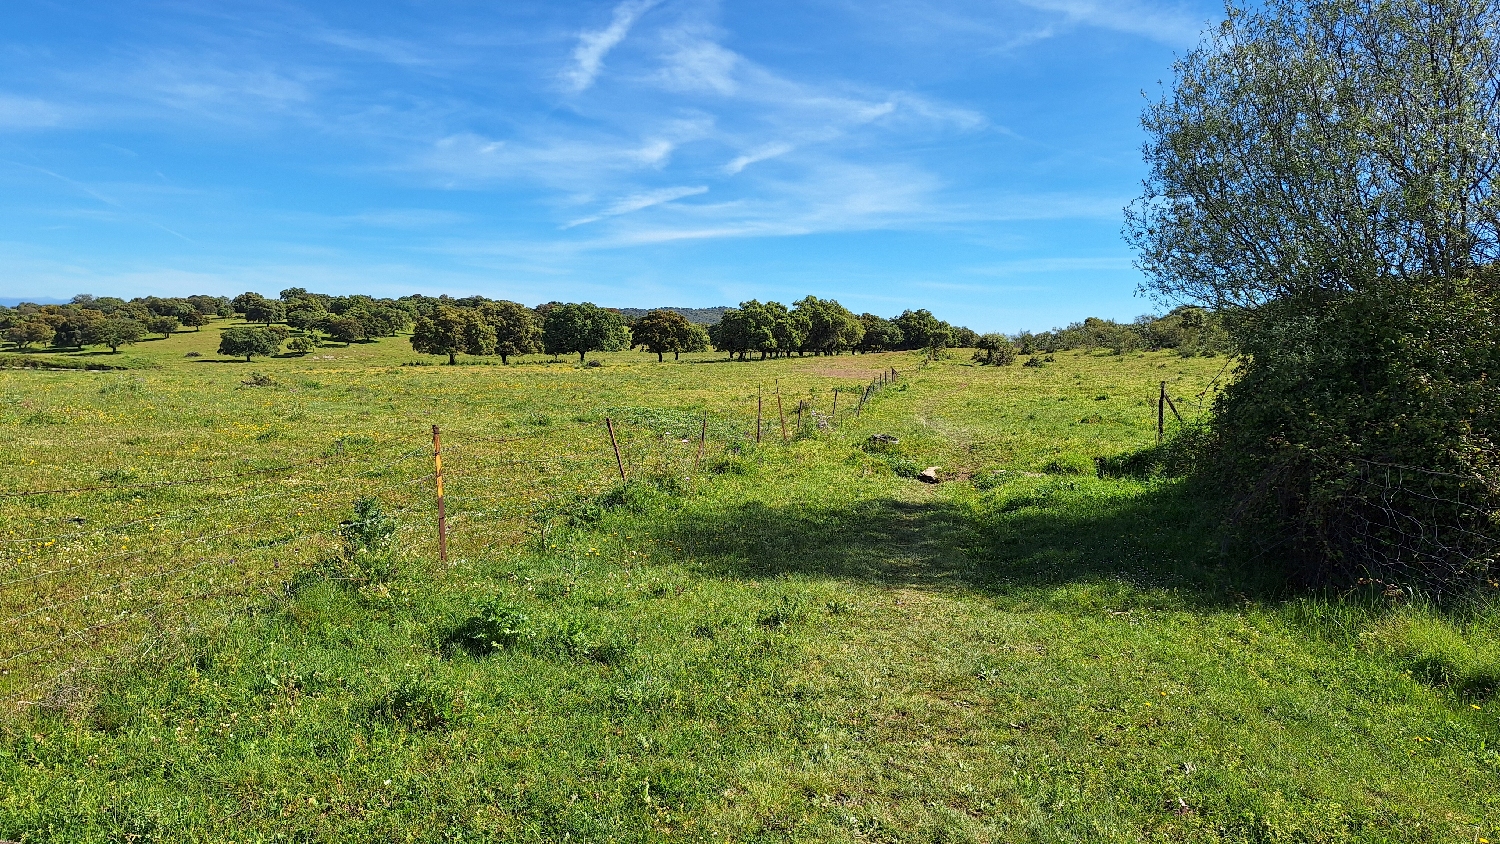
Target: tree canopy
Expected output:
[451,330]
[583,328]
[1323,173]
[247,341]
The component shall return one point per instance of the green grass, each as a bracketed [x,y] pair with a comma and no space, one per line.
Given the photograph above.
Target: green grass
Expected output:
[796,642]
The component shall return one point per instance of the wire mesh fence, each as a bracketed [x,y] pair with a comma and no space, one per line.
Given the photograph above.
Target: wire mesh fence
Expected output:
[94,570]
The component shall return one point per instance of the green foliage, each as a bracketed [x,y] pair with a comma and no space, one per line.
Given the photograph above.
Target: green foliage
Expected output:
[1358,432]
[367,542]
[995,350]
[163,325]
[264,310]
[517,330]
[921,330]
[30,332]
[301,345]
[451,330]
[583,328]
[831,328]
[662,331]
[495,625]
[879,334]
[248,342]
[416,706]
[115,332]
[1305,183]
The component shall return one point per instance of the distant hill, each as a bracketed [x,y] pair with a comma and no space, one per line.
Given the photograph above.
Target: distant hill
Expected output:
[702,316]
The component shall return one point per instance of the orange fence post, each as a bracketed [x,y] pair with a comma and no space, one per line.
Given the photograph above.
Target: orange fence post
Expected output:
[437,460]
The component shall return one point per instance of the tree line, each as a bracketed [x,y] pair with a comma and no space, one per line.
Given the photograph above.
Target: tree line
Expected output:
[479,326]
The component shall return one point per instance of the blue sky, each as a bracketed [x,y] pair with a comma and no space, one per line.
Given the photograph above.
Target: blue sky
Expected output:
[968,157]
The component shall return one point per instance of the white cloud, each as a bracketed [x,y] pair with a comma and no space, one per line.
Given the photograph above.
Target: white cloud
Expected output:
[1173,26]
[588,56]
[641,201]
[698,64]
[27,113]
[756,156]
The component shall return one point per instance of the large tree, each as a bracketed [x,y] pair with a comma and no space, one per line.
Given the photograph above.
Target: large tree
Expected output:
[163,325]
[517,330]
[661,331]
[921,330]
[30,332]
[265,310]
[247,341]
[116,331]
[831,328]
[879,335]
[583,328]
[1325,174]
[450,331]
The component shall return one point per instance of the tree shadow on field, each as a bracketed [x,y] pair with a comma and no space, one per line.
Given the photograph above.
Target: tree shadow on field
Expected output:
[1160,540]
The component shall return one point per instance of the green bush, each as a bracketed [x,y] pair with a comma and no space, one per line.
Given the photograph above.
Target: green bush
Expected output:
[1360,433]
[367,542]
[495,625]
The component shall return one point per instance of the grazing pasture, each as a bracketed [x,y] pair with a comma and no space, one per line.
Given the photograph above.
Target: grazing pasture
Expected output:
[797,640]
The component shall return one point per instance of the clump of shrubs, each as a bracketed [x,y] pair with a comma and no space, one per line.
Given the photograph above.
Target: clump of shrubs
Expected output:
[994,350]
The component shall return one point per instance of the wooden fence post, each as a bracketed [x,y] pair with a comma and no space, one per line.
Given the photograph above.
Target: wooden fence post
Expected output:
[437,462]
[619,461]
[1161,413]
[702,441]
[1171,405]
[833,418]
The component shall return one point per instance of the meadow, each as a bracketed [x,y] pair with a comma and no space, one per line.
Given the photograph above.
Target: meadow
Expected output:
[795,640]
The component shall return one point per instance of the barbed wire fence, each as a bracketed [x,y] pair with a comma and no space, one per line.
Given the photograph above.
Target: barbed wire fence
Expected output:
[76,597]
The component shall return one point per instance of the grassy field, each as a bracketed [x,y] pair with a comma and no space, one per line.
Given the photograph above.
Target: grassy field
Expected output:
[795,642]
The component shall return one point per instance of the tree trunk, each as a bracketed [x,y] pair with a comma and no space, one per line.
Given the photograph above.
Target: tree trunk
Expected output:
[452,356]
[658,357]
[677,356]
[503,359]
[581,358]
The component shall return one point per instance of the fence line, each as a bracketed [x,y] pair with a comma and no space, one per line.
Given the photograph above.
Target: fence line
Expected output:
[487,487]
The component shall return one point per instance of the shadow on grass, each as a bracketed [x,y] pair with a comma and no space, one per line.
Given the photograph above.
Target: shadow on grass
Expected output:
[1163,539]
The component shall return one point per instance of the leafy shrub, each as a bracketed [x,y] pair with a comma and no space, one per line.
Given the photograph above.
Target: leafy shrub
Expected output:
[1175,457]
[578,640]
[995,350]
[1360,433]
[494,626]
[367,541]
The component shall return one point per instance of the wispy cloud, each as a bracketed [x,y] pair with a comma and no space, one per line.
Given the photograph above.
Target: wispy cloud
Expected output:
[28,113]
[639,202]
[756,156]
[593,46]
[1169,25]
